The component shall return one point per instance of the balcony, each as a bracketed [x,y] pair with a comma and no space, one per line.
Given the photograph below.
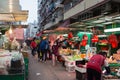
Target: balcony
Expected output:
[82,6]
[53,22]
[58,3]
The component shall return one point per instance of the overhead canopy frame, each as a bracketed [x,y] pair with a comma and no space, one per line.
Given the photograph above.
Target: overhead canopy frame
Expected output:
[100,21]
[14,16]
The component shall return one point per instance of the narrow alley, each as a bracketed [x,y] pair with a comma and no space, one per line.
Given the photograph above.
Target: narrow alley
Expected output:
[45,71]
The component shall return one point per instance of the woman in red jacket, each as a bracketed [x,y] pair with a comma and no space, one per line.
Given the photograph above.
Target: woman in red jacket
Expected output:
[33,46]
[94,66]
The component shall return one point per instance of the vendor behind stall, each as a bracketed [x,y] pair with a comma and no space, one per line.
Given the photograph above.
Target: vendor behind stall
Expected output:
[94,66]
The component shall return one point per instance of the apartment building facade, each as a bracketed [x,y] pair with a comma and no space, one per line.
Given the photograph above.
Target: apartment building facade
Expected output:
[53,13]
[49,13]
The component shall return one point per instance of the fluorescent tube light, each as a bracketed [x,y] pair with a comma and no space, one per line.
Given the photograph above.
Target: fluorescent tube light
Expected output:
[117,17]
[90,26]
[98,21]
[117,21]
[100,25]
[112,30]
[85,33]
[102,35]
[107,23]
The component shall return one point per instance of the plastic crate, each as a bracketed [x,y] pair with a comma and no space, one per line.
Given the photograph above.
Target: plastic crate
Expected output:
[114,64]
[20,76]
[80,76]
[80,73]
[26,70]
[26,60]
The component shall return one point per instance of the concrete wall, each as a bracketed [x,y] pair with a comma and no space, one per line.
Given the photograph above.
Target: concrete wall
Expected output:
[50,24]
[85,4]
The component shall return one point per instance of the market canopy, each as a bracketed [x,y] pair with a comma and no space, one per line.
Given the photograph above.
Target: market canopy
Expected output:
[100,21]
[11,11]
[14,16]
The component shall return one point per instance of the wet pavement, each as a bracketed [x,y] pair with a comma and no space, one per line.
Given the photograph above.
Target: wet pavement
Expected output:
[45,71]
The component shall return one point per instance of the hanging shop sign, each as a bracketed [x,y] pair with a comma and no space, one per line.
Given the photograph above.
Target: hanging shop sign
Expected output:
[17,33]
[112,39]
[84,40]
[85,37]
[95,38]
[70,35]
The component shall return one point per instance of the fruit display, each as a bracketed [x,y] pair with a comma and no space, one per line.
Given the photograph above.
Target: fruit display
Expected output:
[74,54]
[68,51]
[111,60]
[110,77]
[116,56]
[114,67]
[76,57]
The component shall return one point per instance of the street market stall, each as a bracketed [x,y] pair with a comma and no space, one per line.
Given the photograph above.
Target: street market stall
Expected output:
[100,37]
[105,37]
[11,65]
[13,59]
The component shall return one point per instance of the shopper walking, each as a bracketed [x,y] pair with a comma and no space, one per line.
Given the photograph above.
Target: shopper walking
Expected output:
[39,51]
[55,52]
[33,46]
[49,51]
[94,66]
[43,47]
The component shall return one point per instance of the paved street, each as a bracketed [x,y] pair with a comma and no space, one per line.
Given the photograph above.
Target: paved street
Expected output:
[45,71]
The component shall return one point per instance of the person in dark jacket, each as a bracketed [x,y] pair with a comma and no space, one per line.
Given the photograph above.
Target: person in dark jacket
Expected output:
[39,52]
[94,66]
[43,47]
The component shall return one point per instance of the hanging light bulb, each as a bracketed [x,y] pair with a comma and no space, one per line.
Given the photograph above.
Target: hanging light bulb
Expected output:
[10,30]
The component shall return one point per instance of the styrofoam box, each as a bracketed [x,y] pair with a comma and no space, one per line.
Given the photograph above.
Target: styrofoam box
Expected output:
[69,63]
[82,70]
[70,68]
